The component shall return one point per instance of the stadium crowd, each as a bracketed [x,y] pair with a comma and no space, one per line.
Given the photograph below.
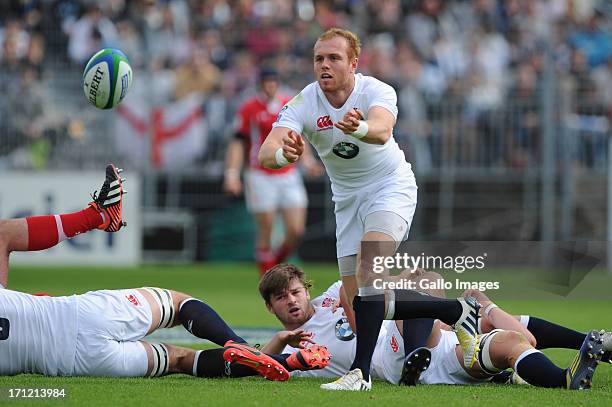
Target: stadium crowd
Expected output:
[471,75]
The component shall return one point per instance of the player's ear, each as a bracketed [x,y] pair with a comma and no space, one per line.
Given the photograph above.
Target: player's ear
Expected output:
[269,307]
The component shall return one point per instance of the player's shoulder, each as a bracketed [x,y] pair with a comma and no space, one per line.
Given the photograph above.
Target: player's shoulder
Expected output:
[307,94]
[370,83]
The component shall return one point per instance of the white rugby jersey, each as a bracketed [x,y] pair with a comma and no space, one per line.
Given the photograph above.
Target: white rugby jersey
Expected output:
[332,330]
[42,334]
[350,163]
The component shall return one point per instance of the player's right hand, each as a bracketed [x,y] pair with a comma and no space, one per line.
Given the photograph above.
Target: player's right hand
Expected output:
[293,146]
[232,185]
[297,339]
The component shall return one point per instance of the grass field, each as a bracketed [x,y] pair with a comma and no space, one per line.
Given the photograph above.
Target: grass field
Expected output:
[231,290]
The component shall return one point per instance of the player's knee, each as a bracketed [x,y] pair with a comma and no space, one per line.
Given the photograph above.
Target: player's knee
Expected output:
[491,356]
[294,232]
[178,298]
[513,338]
[3,235]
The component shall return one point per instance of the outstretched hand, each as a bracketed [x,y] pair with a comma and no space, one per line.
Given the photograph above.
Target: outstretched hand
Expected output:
[350,121]
[293,146]
[296,339]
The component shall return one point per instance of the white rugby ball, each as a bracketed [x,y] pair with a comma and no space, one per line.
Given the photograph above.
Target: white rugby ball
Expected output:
[107,78]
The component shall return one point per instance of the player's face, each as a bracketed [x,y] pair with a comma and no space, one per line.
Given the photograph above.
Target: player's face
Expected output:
[269,87]
[332,65]
[292,306]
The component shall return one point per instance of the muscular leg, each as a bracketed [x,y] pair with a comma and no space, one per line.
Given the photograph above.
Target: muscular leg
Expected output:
[196,316]
[264,255]
[294,220]
[208,363]
[13,237]
[42,232]
[369,305]
[511,349]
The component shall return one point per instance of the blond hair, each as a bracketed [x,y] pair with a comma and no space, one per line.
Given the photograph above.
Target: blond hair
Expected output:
[354,45]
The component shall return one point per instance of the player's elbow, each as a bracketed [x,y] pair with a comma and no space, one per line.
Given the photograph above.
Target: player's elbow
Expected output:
[384,135]
[532,340]
[261,158]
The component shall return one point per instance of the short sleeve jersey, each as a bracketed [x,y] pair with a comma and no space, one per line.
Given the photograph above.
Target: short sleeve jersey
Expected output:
[350,163]
[331,329]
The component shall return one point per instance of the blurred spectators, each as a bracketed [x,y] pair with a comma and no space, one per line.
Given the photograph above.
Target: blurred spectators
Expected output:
[90,33]
[469,73]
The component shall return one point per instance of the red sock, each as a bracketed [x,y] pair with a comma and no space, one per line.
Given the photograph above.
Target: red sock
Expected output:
[47,231]
[265,260]
[283,252]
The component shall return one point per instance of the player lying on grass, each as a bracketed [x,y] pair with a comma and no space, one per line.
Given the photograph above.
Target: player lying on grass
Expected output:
[286,295]
[100,333]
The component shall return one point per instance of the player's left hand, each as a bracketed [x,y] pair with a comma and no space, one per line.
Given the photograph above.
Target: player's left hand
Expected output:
[350,121]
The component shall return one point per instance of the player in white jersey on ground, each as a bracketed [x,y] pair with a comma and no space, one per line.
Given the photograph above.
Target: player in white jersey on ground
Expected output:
[506,342]
[101,333]
[348,118]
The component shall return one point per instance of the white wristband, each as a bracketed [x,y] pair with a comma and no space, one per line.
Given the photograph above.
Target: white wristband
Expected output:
[362,130]
[489,308]
[281,161]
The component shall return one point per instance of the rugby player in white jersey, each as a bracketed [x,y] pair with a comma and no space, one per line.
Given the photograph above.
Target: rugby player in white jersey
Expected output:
[101,333]
[506,341]
[348,118]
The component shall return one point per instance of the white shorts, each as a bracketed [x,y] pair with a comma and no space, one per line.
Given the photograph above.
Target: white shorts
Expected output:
[110,325]
[268,192]
[388,359]
[396,192]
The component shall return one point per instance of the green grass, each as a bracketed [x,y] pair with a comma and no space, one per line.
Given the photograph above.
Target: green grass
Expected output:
[231,290]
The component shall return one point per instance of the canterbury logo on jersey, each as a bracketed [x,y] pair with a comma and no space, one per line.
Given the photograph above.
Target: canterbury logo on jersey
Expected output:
[394,345]
[131,298]
[324,123]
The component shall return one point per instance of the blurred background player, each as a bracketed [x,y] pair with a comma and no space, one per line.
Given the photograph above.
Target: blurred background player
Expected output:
[267,191]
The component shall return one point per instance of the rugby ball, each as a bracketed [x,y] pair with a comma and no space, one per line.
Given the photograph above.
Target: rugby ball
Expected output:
[107,78]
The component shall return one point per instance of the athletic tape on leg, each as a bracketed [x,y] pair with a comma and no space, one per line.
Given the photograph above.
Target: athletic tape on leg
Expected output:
[347,265]
[161,360]
[163,298]
[484,355]
[370,291]
[390,295]
[389,223]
